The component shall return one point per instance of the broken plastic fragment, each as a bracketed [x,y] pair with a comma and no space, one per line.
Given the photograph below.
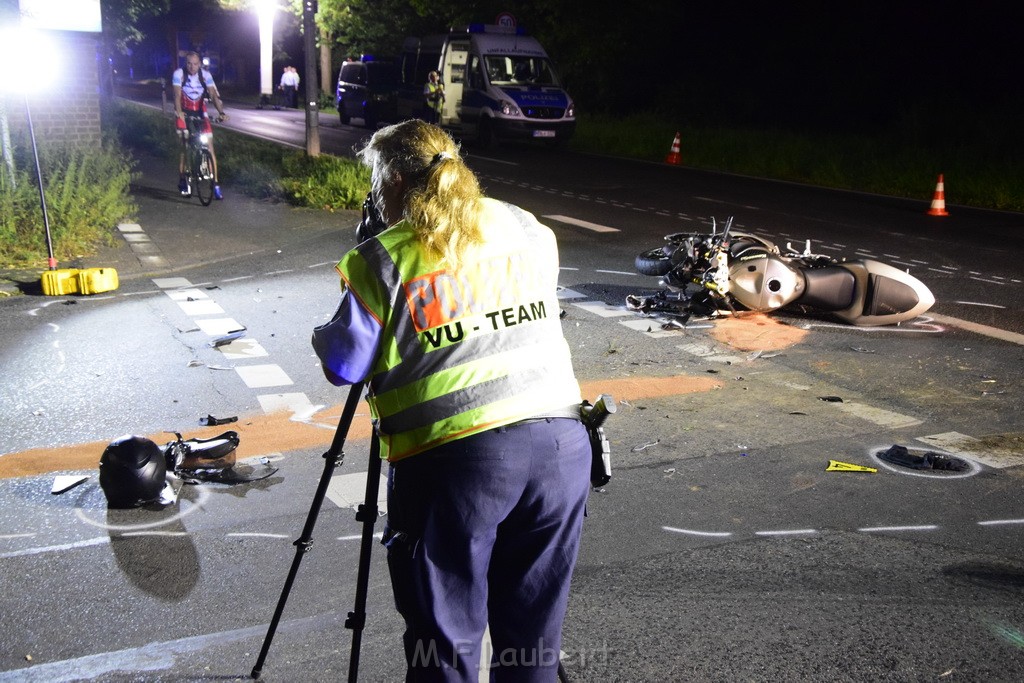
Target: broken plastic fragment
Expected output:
[64,483]
[830,399]
[210,420]
[238,474]
[228,338]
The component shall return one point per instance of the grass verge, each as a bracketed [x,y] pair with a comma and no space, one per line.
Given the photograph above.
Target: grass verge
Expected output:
[905,160]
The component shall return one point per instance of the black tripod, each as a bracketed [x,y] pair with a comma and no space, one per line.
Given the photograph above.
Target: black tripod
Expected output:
[365,513]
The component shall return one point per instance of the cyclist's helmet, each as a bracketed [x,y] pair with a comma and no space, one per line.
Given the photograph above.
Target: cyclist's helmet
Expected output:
[132,472]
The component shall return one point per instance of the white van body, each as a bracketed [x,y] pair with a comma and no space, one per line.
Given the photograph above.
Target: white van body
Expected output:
[498,84]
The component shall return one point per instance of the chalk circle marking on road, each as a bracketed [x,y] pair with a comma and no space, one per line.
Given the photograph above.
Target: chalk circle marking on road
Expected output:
[203,495]
[973,468]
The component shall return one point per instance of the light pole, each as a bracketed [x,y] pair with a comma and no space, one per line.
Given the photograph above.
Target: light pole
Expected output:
[309,8]
[265,10]
[42,54]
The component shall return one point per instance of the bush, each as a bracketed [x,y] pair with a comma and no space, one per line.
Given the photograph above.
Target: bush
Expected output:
[86,190]
[325,182]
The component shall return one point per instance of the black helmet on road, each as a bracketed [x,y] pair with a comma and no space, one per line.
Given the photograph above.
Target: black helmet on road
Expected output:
[132,472]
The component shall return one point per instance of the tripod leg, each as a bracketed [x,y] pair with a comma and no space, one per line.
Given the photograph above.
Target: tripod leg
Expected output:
[367,514]
[333,458]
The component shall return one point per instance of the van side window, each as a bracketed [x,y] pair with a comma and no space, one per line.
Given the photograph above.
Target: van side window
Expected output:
[349,73]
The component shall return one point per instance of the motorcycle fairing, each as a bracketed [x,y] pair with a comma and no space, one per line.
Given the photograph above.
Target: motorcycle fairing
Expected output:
[761,281]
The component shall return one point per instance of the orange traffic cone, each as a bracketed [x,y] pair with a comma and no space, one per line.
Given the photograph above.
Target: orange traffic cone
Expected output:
[939,200]
[673,153]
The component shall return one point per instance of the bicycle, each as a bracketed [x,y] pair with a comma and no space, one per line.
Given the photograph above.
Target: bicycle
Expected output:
[199,162]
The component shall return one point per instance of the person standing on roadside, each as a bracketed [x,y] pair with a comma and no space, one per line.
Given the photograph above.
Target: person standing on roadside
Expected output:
[290,79]
[451,317]
[433,93]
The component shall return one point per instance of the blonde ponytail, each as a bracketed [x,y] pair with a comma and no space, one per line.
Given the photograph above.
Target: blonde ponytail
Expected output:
[442,195]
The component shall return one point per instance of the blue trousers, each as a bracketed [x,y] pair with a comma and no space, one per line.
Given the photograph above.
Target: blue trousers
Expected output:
[485,531]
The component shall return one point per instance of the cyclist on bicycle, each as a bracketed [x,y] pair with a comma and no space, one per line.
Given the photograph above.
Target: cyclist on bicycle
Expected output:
[192,85]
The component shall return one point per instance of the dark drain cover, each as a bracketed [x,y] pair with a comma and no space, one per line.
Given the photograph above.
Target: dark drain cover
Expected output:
[899,455]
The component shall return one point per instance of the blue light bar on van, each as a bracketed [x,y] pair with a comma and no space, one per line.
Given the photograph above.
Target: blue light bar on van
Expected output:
[366,58]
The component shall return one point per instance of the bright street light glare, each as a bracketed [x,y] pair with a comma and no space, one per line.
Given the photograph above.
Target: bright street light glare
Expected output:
[34,48]
[265,10]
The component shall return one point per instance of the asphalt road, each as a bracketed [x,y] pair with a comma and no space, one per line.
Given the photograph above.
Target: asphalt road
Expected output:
[723,548]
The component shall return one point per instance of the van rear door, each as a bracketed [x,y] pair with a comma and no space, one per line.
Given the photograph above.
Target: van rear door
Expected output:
[454,73]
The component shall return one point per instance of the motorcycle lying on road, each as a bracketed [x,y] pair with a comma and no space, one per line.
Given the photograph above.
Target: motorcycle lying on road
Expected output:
[707,274]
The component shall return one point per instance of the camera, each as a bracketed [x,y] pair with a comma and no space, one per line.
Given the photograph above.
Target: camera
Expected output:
[373,223]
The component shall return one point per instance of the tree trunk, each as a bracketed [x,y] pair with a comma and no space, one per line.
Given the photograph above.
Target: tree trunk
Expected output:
[326,73]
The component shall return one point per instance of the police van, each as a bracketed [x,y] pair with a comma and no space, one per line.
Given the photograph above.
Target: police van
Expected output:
[366,90]
[499,84]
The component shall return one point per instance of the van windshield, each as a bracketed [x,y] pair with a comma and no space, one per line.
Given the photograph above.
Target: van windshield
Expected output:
[519,70]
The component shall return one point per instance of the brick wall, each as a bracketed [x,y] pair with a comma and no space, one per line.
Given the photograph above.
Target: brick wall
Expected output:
[69,110]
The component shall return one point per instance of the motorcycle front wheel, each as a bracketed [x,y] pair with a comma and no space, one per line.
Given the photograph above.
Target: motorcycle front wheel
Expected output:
[653,262]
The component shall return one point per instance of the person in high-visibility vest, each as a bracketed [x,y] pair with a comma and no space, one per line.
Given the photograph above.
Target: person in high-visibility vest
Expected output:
[451,316]
[433,93]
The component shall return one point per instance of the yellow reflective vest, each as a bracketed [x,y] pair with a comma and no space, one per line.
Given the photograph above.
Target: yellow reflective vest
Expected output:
[467,348]
[434,92]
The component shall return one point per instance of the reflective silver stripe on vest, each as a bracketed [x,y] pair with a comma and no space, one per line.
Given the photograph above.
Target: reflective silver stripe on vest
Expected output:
[468,398]
[380,262]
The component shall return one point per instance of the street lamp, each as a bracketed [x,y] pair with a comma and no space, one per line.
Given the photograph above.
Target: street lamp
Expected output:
[36,49]
[265,10]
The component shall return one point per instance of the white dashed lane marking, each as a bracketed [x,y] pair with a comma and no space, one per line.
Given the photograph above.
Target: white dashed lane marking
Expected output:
[583,224]
[260,376]
[196,303]
[138,241]
[240,349]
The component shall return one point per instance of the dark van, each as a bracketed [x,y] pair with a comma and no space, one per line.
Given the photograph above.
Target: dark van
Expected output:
[366,90]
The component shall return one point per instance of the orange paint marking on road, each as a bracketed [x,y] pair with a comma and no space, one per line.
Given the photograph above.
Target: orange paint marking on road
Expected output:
[278,433]
[756,332]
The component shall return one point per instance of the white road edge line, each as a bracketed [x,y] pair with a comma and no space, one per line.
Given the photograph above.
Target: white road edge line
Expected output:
[993,522]
[692,532]
[919,527]
[977,328]
[581,223]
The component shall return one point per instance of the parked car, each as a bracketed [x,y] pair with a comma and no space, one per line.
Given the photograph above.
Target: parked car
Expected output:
[367,90]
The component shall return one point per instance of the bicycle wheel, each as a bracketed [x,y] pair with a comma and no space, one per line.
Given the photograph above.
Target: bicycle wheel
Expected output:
[204,177]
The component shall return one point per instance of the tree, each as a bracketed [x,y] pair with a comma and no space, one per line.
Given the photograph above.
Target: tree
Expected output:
[121,18]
